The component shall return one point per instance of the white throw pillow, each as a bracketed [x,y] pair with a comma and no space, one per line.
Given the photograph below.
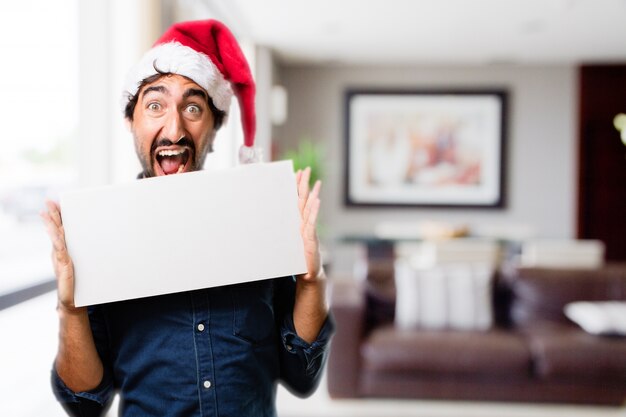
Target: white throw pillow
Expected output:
[600,317]
[455,296]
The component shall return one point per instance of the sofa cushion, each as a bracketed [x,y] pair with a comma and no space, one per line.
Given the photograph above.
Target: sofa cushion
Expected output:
[462,352]
[600,317]
[568,353]
[452,296]
[541,294]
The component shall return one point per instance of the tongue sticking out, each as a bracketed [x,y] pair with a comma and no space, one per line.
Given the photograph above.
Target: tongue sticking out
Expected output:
[171,164]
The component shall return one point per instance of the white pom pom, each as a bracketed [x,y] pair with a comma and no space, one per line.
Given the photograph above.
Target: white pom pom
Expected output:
[250,155]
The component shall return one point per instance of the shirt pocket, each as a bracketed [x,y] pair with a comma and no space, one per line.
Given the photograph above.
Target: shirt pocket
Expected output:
[253,312]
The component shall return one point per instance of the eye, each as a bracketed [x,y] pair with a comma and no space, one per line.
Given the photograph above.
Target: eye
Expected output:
[194,109]
[154,106]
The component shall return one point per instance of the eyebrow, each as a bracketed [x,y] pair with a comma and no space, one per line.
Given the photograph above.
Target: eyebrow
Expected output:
[191,92]
[159,88]
[195,92]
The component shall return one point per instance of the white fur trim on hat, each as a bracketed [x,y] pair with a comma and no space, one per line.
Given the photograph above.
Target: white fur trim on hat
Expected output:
[176,58]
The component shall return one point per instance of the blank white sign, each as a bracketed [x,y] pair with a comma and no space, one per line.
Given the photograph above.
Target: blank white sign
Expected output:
[183,232]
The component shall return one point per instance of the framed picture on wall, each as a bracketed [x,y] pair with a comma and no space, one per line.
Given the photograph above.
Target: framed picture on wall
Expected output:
[425,148]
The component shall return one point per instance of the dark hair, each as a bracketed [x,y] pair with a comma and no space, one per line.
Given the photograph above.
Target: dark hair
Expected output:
[218,115]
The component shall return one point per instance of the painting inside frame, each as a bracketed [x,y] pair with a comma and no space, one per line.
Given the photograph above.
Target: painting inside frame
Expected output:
[425,148]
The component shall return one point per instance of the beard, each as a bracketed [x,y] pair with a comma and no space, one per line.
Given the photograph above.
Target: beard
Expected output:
[195,160]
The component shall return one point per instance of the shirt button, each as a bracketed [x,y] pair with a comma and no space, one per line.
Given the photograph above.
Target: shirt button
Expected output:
[200,327]
[289,348]
[207,384]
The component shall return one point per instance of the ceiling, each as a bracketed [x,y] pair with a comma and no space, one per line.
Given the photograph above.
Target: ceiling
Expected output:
[431,31]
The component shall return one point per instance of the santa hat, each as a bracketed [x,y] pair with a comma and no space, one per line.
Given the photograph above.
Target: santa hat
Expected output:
[206,52]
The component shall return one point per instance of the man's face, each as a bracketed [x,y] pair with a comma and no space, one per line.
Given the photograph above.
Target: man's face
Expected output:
[172,126]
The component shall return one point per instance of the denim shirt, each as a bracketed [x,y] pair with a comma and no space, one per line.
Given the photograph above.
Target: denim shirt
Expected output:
[211,352]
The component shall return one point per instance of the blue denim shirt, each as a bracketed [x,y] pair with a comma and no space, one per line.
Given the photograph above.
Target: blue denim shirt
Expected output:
[212,352]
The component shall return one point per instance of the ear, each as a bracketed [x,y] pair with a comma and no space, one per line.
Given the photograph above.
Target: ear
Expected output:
[128,124]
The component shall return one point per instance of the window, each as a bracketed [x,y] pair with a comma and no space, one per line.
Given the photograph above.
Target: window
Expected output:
[39,108]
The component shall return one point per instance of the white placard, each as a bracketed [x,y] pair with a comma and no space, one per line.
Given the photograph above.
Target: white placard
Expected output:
[183,232]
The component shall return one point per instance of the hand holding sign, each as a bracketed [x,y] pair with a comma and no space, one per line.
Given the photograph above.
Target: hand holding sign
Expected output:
[309,205]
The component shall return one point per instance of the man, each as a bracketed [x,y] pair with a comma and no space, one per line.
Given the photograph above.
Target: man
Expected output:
[212,352]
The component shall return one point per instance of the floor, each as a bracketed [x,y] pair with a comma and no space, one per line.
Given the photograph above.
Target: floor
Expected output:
[320,405]
[29,332]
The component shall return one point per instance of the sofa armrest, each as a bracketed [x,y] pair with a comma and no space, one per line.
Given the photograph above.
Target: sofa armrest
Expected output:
[348,308]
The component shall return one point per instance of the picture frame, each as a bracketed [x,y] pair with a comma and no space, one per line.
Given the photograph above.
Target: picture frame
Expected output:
[435,148]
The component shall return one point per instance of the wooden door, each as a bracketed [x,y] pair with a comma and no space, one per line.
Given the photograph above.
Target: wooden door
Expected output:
[602,158]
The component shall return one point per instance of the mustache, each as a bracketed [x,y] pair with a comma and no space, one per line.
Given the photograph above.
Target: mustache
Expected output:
[184,141]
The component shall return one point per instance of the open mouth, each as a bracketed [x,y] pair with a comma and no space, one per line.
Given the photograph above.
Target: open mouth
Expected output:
[172,161]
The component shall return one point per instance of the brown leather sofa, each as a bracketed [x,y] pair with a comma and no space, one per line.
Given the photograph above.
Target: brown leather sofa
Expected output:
[532,353]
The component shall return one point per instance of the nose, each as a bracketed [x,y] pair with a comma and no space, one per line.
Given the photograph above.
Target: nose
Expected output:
[174,128]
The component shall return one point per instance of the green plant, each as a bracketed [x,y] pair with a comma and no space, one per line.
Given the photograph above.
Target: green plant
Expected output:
[308,154]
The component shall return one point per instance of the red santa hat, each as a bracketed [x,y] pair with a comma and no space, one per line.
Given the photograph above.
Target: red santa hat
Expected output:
[206,52]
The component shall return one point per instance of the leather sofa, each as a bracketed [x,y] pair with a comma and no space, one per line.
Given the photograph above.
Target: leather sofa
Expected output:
[533,352]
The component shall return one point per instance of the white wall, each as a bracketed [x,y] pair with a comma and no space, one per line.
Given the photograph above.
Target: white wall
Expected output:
[541,142]
[113,36]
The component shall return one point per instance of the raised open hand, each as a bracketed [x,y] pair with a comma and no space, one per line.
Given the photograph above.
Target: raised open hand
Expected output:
[63,266]
[309,206]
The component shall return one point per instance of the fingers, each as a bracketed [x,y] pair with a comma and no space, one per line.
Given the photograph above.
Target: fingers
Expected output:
[56,234]
[308,203]
[309,207]
[310,212]
[310,230]
[303,188]
[55,212]
[61,261]
[54,228]
[316,190]
[313,196]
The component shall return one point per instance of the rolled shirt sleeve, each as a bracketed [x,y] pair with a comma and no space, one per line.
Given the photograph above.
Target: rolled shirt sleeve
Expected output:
[302,363]
[82,404]
[94,402]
